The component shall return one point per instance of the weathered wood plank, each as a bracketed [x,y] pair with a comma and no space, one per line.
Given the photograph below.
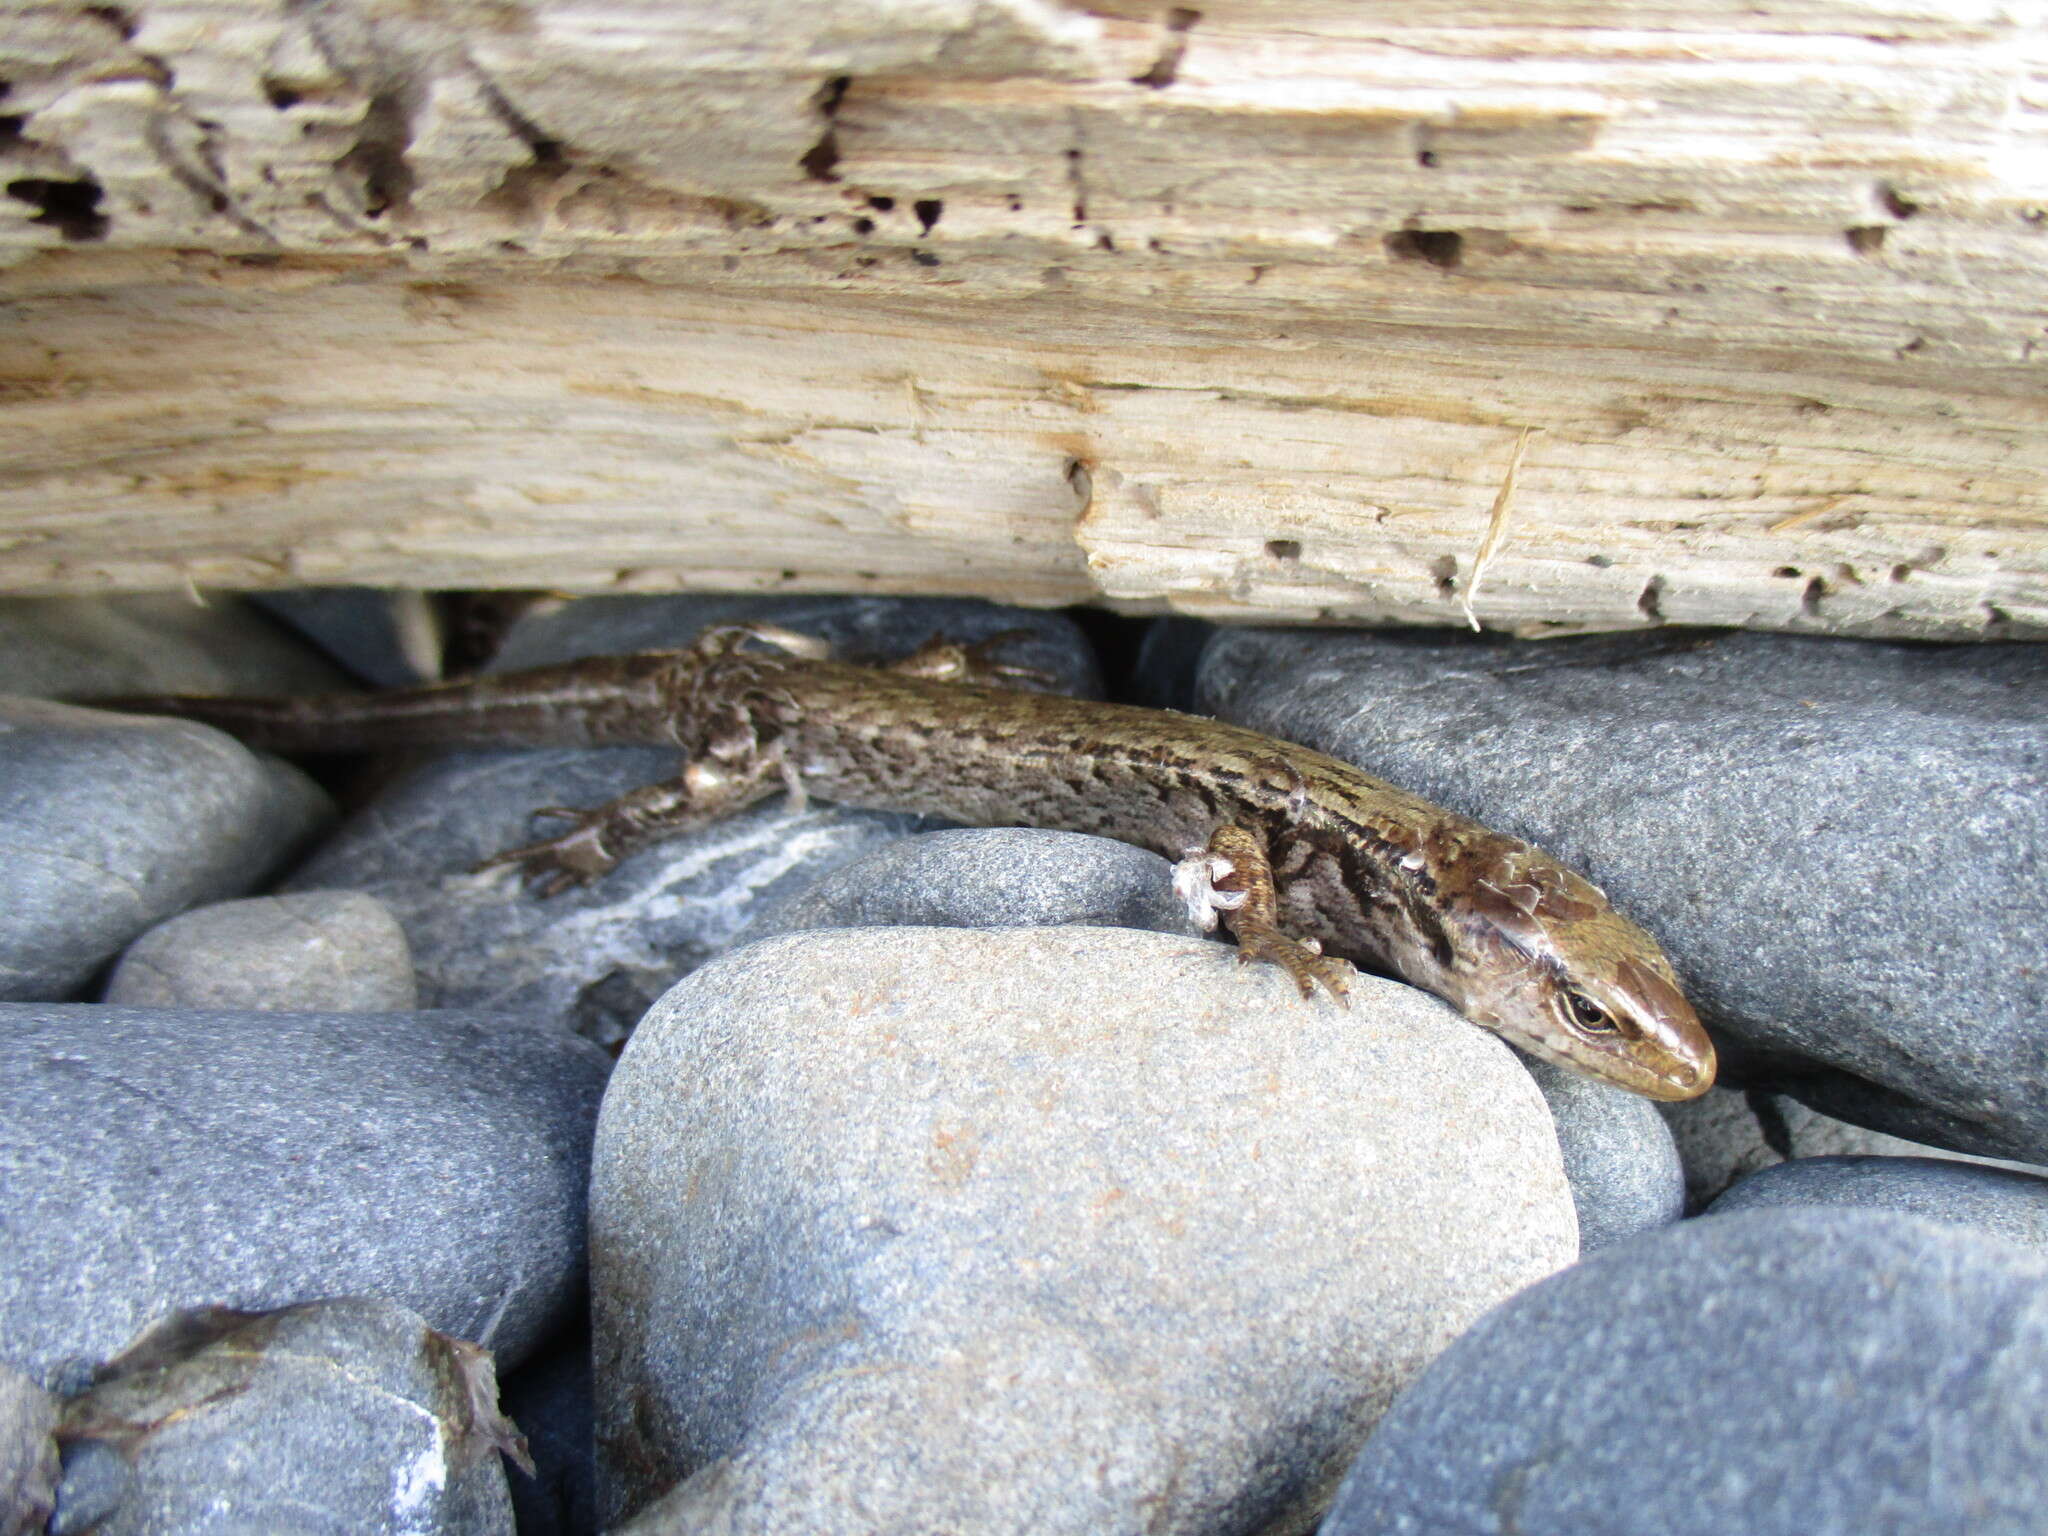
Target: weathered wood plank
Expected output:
[1241,312]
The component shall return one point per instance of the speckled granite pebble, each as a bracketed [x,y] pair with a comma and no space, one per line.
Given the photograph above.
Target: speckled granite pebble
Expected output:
[1051,1229]
[1774,1373]
[113,822]
[314,952]
[186,1157]
[1843,844]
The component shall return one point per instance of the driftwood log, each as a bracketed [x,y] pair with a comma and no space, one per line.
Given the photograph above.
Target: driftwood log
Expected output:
[1553,314]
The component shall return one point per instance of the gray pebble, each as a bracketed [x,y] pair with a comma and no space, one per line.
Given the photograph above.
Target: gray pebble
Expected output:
[1843,844]
[114,822]
[596,957]
[989,877]
[342,1415]
[188,1157]
[1048,1229]
[81,647]
[314,952]
[1727,1134]
[1618,1155]
[1995,1201]
[1776,1373]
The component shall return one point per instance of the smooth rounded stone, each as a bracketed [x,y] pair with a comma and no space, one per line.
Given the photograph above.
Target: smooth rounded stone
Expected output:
[550,1399]
[340,1415]
[1843,844]
[597,957]
[314,952]
[989,877]
[1777,1373]
[79,647]
[114,822]
[28,1454]
[190,1157]
[1726,1135]
[1048,1229]
[1995,1201]
[386,638]
[1618,1156]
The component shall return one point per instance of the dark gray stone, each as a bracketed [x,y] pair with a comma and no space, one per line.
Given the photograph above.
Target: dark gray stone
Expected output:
[550,1399]
[989,877]
[1055,1230]
[315,952]
[596,957]
[97,1482]
[386,638]
[82,647]
[113,822]
[859,629]
[1618,1155]
[1843,844]
[1169,663]
[1727,1134]
[187,1157]
[343,1415]
[1776,1373]
[1995,1201]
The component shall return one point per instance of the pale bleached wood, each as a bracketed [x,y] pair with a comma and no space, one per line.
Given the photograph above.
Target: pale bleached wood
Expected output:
[1241,313]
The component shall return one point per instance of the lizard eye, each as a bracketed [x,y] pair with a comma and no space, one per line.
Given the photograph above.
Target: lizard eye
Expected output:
[1589,1016]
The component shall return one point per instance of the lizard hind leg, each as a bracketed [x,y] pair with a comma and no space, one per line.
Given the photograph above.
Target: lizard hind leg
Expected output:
[597,839]
[1232,877]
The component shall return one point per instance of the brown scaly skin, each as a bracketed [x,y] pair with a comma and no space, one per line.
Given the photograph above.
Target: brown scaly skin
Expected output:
[1309,859]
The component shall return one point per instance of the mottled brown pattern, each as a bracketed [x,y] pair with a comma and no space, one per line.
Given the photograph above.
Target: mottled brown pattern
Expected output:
[1372,873]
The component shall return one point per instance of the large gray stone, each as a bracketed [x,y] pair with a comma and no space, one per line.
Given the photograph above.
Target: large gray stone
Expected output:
[343,1415]
[597,956]
[1996,1201]
[989,877]
[1842,844]
[192,1158]
[1776,1373]
[113,822]
[1053,1229]
[314,952]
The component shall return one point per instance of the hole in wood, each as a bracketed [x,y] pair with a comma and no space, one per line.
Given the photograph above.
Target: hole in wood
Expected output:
[71,207]
[1442,248]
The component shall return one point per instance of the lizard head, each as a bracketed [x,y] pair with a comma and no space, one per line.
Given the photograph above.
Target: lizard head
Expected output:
[1566,977]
